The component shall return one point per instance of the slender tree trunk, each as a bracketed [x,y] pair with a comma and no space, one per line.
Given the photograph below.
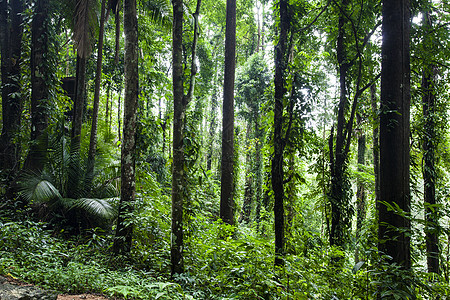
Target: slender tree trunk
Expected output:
[11,30]
[108,107]
[360,193]
[98,77]
[338,195]
[77,122]
[119,114]
[227,165]
[248,190]
[180,102]
[376,145]
[258,165]
[278,142]
[178,177]
[117,31]
[40,77]
[394,132]
[212,130]
[429,158]
[124,231]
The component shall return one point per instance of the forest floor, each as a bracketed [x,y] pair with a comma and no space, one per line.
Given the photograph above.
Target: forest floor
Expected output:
[85,296]
[81,296]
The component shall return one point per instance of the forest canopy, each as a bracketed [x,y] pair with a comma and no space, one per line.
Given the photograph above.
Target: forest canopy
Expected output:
[226,149]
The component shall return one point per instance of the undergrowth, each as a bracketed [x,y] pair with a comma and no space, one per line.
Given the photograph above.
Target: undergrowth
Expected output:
[221,262]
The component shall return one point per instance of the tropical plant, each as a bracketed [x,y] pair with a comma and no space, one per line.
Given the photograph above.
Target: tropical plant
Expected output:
[47,190]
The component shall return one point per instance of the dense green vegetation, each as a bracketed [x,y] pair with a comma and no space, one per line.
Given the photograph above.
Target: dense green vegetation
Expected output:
[145,154]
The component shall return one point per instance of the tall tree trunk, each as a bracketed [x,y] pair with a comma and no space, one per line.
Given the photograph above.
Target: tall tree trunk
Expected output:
[429,149]
[360,193]
[227,165]
[376,144]
[178,178]
[212,130]
[119,114]
[248,189]
[11,30]
[258,165]
[124,231]
[40,77]
[180,102]
[98,78]
[77,122]
[338,196]
[108,108]
[394,132]
[278,142]
[117,33]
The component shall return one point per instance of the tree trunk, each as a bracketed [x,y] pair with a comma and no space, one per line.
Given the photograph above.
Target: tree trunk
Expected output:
[339,198]
[394,133]
[360,193]
[108,108]
[77,122]
[212,130]
[376,145]
[248,189]
[98,77]
[11,30]
[124,231]
[429,149]
[227,165]
[178,177]
[278,142]
[258,165]
[119,114]
[40,80]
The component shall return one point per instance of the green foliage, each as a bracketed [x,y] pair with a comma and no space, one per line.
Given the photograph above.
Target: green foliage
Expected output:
[32,253]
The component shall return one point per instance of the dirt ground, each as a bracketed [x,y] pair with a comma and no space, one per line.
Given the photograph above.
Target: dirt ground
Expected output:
[81,297]
[15,281]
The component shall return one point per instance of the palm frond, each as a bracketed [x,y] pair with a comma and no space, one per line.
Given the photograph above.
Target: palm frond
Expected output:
[160,12]
[36,189]
[97,207]
[85,26]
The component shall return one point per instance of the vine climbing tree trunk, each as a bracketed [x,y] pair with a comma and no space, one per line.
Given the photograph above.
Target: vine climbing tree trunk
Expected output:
[11,29]
[360,193]
[278,141]
[98,78]
[227,165]
[40,81]
[180,102]
[124,230]
[394,227]
[429,149]
[338,196]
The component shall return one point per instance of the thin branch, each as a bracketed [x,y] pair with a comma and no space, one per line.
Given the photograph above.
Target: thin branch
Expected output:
[315,19]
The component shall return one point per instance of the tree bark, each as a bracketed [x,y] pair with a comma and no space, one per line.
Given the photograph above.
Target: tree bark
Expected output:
[178,177]
[11,30]
[73,181]
[124,231]
[98,78]
[429,149]
[376,145]
[40,77]
[338,196]
[278,142]
[249,188]
[227,165]
[360,193]
[394,239]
